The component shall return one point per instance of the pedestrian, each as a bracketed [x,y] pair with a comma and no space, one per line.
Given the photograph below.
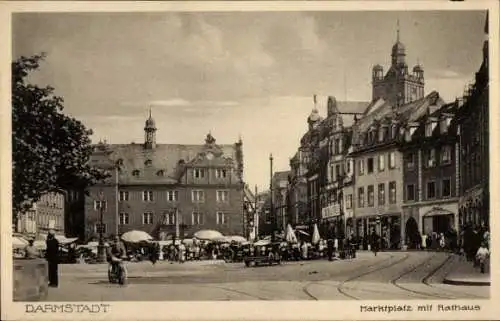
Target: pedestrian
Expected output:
[52,256]
[352,245]
[423,244]
[30,252]
[481,256]
[375,243]
[476,243]
[335,246]
[182,252]
[442,242]
[153,253]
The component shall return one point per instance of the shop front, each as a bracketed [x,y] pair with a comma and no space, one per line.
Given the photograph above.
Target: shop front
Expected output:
[332,222]
[474,209]
[439,219]
[388,226]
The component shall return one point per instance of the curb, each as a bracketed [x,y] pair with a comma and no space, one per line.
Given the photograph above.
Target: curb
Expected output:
[469,283]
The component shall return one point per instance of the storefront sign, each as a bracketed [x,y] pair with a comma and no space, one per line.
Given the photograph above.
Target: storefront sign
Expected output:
[330,211]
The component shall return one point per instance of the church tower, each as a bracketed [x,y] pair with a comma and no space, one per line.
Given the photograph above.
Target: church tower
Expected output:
[150,133]
[398,86]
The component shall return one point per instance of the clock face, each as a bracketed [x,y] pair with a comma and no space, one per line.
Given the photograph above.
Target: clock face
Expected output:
[210,156]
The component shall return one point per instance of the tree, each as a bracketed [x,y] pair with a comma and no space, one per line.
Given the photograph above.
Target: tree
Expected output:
[50,151]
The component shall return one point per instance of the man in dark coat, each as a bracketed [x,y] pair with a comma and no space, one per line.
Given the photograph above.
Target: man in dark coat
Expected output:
[52,256]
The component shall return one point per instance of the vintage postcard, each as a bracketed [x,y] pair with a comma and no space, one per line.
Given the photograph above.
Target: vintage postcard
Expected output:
[249,160]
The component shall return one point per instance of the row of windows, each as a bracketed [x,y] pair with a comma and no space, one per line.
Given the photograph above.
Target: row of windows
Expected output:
[431,191]
[384,133]
[197,218]
[370,201]
[197,196]
[370,163]
[430,157]
[335,147]
[52,200]
[197,172]
[49,220]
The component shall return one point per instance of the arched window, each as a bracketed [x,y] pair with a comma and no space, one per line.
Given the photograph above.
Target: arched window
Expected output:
[148,162]
[119,162]
[135,172]
[161,172]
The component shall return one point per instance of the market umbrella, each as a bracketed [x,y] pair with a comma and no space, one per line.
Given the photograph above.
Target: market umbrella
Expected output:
[19,242]
[208,235]
[302,232]
[316,237]
[262,242]
[237,239]
[221,239]
[136,236]
[40,245]
[290,236]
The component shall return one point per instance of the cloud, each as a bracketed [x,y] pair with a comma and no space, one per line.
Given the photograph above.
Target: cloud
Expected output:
[176,102]
[445,74]
[448,88]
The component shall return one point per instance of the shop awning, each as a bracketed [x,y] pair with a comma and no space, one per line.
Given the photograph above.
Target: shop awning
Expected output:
[475,194]
[438,211]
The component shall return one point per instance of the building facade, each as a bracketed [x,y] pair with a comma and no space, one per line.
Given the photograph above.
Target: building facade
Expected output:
[473,119]
[280,198]
[318,169]
[298,213]
[48,213]
[167,190]
[431,178]
[397,101]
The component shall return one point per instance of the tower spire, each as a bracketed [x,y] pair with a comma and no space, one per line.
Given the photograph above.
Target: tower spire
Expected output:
[397,31]
[149,111]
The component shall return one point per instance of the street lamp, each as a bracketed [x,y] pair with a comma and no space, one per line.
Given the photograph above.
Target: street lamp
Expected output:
[273,219]
[101,248]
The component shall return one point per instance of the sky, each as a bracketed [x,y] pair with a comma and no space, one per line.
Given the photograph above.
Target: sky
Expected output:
[248,74]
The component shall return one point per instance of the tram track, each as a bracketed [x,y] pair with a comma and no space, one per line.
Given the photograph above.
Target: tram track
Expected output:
[305,288]
[341,287]
[423,280]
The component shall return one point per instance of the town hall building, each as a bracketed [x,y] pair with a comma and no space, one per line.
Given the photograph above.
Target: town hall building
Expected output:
[167,190]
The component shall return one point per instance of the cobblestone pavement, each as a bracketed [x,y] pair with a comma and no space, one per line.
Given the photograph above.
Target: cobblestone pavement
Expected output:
[389,275]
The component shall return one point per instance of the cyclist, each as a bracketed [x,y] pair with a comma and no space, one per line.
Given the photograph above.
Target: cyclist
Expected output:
[116,251]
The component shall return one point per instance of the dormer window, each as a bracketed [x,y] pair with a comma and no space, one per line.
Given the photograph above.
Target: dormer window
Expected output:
[383,133]
[393,131]
[428,130]
[198,173]
[161,172]
[371,136]
[408,135]
[148,162]
[135,172]
[444,125]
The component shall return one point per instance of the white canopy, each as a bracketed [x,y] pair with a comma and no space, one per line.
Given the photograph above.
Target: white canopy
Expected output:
[208,235]
[19,242]
[302,232]
[315,237]
[177,242]
[136,236]
[290,236]
[237,238]
[41,245]
[263,242]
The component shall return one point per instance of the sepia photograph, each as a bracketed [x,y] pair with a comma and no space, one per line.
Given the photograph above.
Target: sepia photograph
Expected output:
[253,155]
